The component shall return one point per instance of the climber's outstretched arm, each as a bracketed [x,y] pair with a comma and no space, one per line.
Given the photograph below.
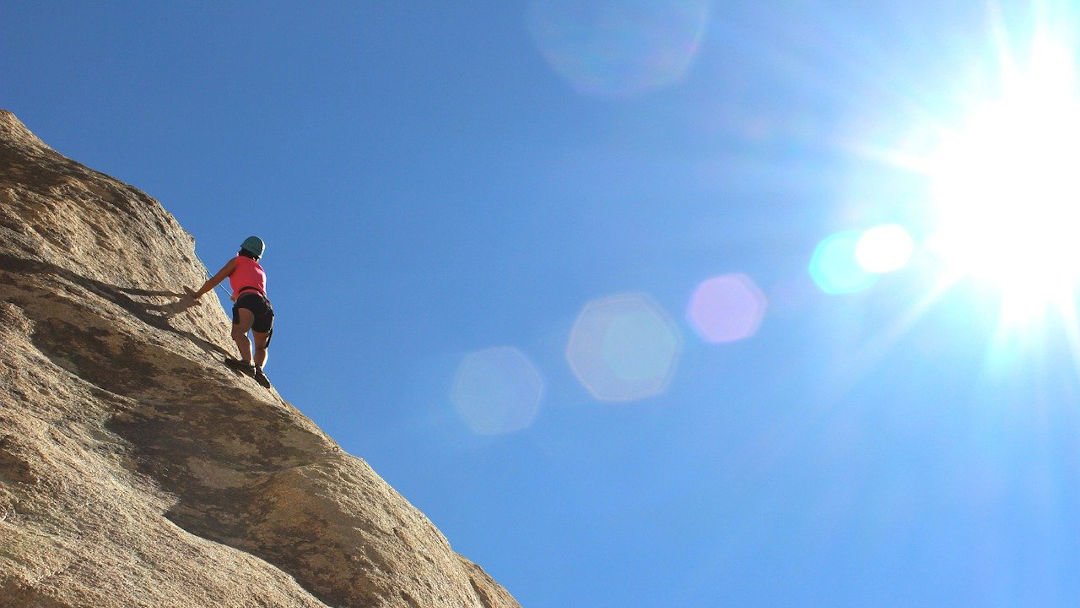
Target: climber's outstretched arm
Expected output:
[213,281]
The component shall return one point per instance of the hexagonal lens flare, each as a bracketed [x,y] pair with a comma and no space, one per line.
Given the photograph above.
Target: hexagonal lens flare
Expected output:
[497,391]
[624,348]
[727,308]
[618,47]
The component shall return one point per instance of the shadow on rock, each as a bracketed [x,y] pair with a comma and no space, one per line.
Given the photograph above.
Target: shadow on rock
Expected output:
[156,315]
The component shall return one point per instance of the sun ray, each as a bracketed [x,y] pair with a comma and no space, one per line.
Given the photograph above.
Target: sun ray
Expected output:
[1004,190]
[998,158]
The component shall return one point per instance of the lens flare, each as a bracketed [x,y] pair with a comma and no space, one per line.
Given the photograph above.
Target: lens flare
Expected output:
[497,391]
[618,48]
[727,308]
[1005,186]
[623,348]
[883,249]
[835,267]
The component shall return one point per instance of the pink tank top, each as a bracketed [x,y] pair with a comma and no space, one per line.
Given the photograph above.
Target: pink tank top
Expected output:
[248,274]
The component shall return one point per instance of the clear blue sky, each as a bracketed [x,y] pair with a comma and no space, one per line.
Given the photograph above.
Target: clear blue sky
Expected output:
[486,224]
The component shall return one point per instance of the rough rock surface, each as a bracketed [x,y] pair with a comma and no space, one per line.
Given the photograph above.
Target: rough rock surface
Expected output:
[135,469]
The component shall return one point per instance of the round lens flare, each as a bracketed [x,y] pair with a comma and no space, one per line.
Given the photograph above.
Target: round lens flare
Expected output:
[835,266]
[727,308]
[624,348]
[1006,184]
[497,391]
[884,249]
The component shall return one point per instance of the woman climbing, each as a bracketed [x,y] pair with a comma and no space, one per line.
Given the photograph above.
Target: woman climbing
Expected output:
[251,308]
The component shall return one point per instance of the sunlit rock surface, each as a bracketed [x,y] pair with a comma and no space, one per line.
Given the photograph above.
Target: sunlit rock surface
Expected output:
[135,469]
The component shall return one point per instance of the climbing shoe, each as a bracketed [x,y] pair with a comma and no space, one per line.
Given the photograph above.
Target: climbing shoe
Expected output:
[261,378]
[248,369]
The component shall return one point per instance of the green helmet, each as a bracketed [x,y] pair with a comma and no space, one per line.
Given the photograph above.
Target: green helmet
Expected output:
[254,245]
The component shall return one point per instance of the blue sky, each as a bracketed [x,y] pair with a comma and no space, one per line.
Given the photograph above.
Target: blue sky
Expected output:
[486,223]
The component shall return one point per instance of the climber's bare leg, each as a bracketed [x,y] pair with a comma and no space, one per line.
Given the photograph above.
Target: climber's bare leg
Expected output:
[240,333]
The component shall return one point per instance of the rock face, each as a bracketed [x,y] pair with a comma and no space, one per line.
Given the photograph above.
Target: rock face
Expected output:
[135,469]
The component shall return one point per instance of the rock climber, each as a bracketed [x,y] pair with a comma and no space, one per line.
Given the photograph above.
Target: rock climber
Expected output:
[251,308]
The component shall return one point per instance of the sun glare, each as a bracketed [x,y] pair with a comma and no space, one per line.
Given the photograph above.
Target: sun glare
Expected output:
[1006,184]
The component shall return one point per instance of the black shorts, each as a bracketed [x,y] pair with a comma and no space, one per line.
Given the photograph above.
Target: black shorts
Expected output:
[260,306]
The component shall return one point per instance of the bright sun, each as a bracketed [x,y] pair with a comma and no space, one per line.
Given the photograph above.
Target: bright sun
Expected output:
[1006,184]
